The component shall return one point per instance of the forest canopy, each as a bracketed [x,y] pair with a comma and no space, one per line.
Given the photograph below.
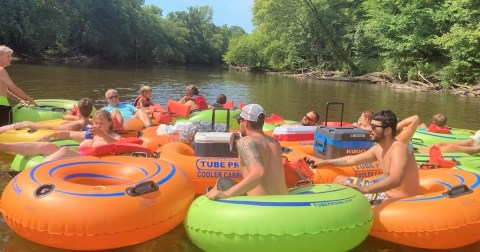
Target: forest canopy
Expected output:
[438,40]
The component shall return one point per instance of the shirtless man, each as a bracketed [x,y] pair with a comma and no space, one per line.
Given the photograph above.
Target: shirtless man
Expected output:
[397,162]
[260,159]
[8,88]
[85,107]
[102,130]
[309,119]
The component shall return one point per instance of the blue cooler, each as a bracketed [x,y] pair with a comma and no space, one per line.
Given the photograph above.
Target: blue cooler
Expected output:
[334,142]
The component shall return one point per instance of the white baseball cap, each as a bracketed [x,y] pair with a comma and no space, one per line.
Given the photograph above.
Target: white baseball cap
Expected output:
[251,112]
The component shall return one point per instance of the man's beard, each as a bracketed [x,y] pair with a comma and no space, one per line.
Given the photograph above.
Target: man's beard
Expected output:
[376,138]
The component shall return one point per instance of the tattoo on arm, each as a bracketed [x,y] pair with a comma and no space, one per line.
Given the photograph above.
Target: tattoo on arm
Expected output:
[249,153]
[338,161]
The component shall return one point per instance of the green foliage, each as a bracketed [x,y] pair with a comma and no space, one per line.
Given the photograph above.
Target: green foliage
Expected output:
[114,30]
[461,42]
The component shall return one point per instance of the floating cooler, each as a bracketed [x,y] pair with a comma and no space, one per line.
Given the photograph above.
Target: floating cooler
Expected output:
[333,142]
[294,133]
[213,144]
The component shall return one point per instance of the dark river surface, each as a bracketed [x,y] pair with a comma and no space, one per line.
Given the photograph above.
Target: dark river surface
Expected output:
[286,96]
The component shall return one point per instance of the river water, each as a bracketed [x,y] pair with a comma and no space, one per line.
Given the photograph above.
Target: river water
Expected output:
[286,96]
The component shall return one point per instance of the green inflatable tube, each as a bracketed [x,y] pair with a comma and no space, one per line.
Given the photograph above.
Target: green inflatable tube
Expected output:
[423,138]
[46,109]
[464,161]
[221,117]
[206,115]
[324,217]
[21,162]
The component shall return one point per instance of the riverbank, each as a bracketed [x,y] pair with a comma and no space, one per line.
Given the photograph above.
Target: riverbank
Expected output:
[421,85]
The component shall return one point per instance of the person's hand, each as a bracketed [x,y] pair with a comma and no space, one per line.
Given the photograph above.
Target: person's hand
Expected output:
[95,130]
[46,138]
[313,162]
[214,194]
[32,102]
[354,186]
[233,142]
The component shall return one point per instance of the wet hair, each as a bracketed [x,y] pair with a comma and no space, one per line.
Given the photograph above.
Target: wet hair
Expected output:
[145,89]
[191,90]
[440,120]
[388,120]
[85,106]
[106,115]
[5,49]
[259,123]
[221,99]
[317,116]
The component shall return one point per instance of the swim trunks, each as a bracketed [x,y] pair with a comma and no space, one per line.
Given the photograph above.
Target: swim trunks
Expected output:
[373,198]
[4,101]
[6,116]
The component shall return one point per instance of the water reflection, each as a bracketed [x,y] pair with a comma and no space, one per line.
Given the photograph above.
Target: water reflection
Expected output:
[289,97]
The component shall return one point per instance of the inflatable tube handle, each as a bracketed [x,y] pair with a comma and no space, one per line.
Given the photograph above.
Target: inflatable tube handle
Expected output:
[142,188]
[43,190]
[57,109]
[457,190]
[428,166]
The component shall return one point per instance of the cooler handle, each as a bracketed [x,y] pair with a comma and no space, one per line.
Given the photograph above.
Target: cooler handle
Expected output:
[326,114]
[228,119]
[320,145]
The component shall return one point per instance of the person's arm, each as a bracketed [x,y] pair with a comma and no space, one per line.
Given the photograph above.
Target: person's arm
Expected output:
[5,78]
[248,153]
[71,126]
[406,128]
[364,157]
[75,135]
[398,164]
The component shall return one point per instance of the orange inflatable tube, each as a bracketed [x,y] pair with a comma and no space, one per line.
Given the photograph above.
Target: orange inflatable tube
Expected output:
[326,174]
[92,203]
[203,171]
[446,214]
[153,141]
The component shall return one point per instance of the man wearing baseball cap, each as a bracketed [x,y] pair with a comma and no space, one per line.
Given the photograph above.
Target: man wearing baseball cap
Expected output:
[260,160]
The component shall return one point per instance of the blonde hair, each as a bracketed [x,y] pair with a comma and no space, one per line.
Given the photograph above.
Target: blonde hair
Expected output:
[368,114]
[5,49]
[110,91]
[440,120]
[145,89]
[105,115]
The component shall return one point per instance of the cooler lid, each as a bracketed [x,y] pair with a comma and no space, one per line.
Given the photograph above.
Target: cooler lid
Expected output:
[343,133]
[212,137]
[295,130]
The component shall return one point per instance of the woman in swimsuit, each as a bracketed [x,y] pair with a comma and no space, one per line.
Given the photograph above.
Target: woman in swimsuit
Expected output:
[102,131]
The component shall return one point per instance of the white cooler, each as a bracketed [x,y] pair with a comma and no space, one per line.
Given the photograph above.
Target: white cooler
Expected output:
[213,144]
[294,133]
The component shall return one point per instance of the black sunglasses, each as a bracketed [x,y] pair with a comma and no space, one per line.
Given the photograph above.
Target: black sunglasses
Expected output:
[374,126]
[308,118]
[239,120]
[113,96]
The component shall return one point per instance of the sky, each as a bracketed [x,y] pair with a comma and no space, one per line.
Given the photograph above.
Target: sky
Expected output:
[229,12]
